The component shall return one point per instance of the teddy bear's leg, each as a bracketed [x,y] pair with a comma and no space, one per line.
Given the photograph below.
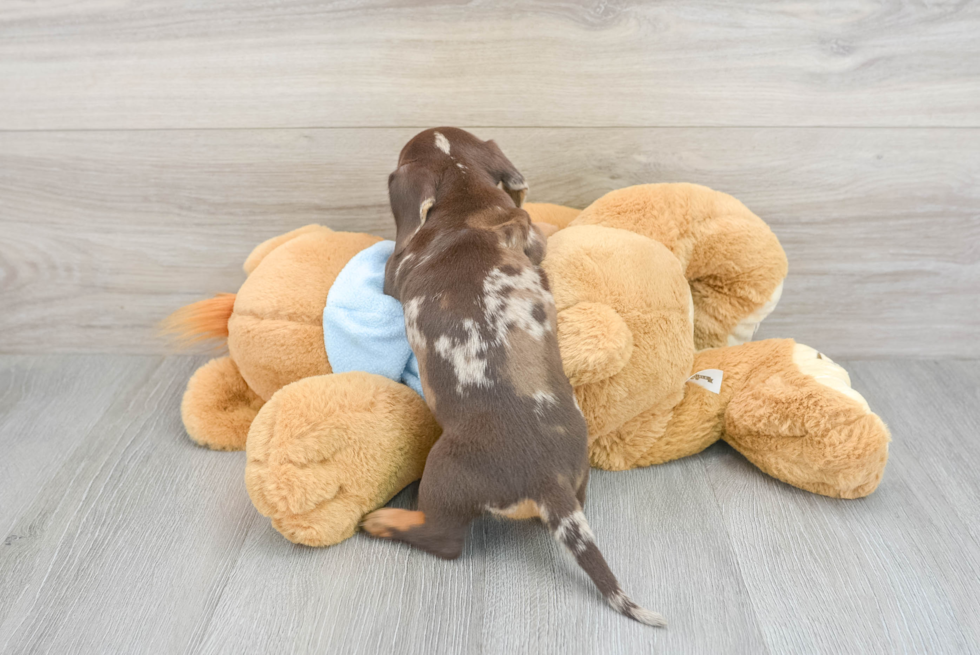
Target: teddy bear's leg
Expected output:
[326,450]
[644,440]
[797,418]
[218,406]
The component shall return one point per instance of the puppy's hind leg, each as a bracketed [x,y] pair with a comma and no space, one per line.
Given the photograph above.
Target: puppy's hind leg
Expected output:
[438,535]
[581,491]
[439,525]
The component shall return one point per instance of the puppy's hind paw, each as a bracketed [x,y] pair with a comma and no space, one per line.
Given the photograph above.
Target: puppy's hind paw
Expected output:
[385,522]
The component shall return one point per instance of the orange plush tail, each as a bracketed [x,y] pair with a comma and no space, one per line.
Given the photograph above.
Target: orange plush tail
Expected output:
[200,321]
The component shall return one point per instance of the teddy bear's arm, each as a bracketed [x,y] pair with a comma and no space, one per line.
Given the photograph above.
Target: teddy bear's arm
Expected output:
[730,257]
[595,342]
[736,271]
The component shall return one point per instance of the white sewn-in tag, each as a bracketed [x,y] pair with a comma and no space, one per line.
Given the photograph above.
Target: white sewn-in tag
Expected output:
[709,378]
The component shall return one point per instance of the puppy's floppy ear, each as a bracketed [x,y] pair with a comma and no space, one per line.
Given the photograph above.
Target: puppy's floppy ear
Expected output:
[506,174]
[537,244]
[411,192]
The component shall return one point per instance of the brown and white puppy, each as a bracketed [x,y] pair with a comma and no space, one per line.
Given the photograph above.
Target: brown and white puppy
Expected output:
[482,322]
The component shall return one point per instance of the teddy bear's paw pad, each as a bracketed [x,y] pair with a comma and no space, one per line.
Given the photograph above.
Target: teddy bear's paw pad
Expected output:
[294,488]
[327,524]
[308,503]
[747,327]
[297,459]
[826,372]
[325,450]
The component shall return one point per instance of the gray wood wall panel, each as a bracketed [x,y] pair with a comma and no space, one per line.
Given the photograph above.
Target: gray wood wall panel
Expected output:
[106,232]
[159,64]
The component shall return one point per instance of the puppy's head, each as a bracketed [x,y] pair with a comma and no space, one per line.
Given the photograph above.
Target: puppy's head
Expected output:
[429,165]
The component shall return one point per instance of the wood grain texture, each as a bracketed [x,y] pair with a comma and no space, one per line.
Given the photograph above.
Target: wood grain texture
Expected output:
[157,64]
[127,548]
[660,531]
[513,590]
[47,407]
[105,233]
[937,461]
[143,543]
[894,572]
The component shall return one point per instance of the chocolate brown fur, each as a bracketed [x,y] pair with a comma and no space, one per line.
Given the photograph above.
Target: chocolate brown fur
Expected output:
[481,319]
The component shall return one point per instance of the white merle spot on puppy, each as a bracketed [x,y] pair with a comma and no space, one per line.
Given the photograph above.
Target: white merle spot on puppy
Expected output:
[622,603]
[415,337]
[405,259]
[424,211]
[543,400]
[442,142]
[466,355]
[574,532]
[514,301]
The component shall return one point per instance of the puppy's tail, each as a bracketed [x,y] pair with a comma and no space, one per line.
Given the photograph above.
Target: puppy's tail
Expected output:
[200,321]
[573,532]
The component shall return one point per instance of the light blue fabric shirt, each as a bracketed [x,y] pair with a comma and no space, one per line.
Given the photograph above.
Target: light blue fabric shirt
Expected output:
[363,329]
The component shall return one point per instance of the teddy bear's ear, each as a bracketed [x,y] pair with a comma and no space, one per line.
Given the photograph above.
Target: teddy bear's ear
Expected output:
[595,342]
[260,251]
[557,216]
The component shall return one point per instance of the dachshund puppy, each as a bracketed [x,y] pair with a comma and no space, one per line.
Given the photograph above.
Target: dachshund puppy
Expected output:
[481,320]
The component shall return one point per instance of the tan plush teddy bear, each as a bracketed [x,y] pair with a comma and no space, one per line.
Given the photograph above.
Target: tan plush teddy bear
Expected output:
[658,288]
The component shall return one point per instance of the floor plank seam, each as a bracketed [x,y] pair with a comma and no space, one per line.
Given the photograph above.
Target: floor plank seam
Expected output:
[97,568]
[213,609]
[735,560]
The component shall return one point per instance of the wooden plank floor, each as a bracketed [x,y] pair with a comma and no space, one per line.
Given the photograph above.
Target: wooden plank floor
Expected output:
[119,535]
